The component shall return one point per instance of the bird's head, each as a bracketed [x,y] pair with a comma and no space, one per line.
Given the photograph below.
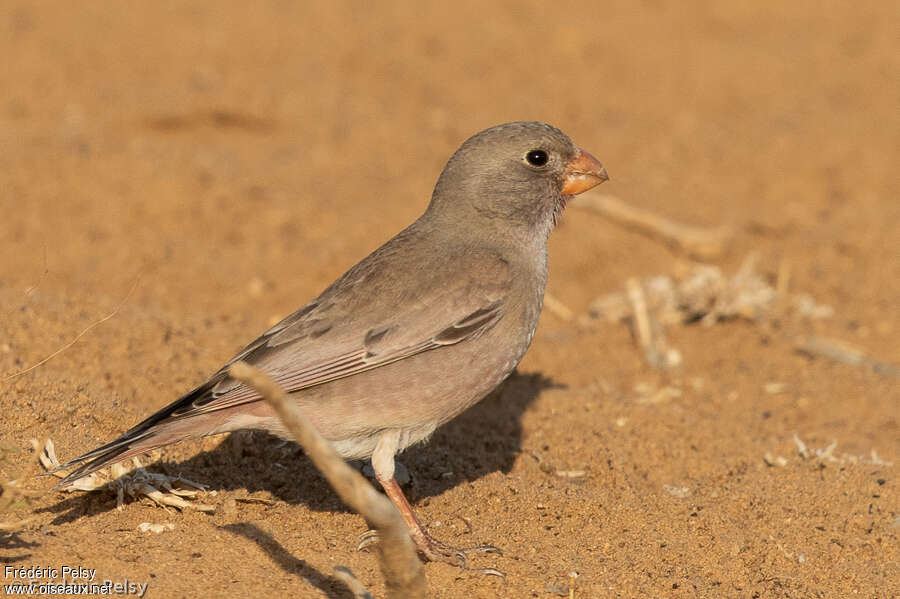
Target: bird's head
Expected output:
[522,173]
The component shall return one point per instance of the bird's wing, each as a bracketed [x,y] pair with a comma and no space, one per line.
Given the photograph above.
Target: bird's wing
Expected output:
[325,341]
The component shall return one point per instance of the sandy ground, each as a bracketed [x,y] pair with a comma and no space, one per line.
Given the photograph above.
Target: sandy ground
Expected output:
[234,158]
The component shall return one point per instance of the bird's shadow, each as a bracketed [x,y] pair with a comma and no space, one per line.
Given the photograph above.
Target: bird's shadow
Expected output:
[486,438]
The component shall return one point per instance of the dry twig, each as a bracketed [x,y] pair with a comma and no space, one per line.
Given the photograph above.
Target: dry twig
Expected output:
[403,572]
[840,351]
[698,242]
[346,576]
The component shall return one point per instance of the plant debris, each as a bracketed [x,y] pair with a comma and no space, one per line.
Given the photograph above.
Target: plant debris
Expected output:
[131,479]
[701,293]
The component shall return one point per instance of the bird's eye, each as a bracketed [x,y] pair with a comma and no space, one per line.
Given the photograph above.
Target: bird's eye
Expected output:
[537,158]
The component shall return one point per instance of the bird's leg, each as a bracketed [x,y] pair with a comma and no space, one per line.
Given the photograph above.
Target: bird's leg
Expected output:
[432,549]
[429,547]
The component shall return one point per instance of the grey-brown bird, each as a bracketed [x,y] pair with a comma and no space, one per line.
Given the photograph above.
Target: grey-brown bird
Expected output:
[418,331]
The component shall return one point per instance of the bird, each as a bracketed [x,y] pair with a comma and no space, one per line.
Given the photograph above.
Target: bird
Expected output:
[414,334]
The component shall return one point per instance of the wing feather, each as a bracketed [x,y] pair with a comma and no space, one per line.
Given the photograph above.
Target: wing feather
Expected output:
[229,393]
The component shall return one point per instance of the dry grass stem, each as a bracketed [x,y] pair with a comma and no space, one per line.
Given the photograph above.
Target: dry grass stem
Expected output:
[840,351]
[697,242]
[649,331]
[558,308]
[402,570]
[78,336]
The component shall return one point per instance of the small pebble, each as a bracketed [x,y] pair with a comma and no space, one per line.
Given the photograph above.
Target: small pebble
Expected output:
[156,528]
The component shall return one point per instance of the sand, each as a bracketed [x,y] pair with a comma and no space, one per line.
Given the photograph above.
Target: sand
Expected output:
[200,170]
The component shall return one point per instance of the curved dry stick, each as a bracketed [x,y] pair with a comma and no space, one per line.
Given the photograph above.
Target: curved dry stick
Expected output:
[403,572]
[698,242]
[841,351]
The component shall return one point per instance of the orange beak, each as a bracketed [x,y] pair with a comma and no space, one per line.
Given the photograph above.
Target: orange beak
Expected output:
[583,173]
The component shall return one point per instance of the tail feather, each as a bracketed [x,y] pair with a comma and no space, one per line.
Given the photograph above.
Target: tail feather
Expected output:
[147,435]
[115,454]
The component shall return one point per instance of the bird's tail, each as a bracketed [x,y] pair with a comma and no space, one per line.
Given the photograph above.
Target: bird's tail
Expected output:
[162,428]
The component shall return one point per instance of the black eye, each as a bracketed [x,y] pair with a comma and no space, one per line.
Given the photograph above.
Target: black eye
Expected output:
[537,157]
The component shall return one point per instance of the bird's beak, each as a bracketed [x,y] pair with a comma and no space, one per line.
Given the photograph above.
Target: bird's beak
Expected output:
[583,173]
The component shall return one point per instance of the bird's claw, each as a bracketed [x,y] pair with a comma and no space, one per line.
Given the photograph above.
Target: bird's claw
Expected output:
[435,551]
[367,539]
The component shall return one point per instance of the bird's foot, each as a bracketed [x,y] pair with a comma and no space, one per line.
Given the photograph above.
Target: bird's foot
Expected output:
[433,550]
